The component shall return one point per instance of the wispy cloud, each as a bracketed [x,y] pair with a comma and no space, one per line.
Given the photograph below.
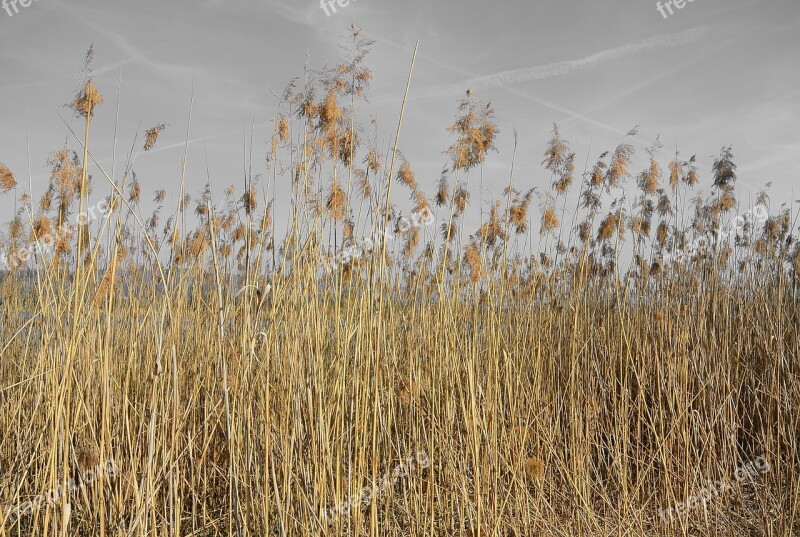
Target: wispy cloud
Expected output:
[303,16]
[458,89]
[786,154]
[93,19]
[621,96]
[550,70]
[506,79]
[193,141]
[293,14]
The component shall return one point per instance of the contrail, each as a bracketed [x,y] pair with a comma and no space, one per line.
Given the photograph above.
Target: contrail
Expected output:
[550,70]
[505,78]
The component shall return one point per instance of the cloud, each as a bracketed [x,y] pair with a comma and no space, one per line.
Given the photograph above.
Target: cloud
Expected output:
[506,79]
[657,78]
[291,13]
[193,141]
[93,19]
[786,154]
[459,90]
[556,69]
[303,17]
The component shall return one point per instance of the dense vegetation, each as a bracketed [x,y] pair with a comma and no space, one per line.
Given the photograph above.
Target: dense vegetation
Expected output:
[246,377]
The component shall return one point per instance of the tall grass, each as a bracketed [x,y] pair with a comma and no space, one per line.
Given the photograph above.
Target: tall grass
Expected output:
[244,386]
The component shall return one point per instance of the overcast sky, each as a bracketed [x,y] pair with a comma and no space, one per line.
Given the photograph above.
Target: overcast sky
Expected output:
[714,73]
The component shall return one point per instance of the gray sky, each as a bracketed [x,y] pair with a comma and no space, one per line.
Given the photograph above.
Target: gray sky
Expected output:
[714,73]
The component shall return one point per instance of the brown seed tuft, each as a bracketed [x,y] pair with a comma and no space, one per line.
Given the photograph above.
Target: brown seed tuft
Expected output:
[329,112]
[135,192]
[492,230]
[549,221]
[85,452]
[7,180]
[412,241]
[534,468]
[42,227]
[335,204]
[86,99]
[608,226]
[460,199]
[473,260]
[443,192]
[283,128]
[406,177]
[373,161]
[250,200]
[151,136]
[46,202]
[476,133]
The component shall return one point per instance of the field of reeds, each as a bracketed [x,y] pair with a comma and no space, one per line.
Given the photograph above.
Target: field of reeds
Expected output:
[546,372]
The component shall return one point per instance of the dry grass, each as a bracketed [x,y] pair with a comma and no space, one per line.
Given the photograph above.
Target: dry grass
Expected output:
[242,390]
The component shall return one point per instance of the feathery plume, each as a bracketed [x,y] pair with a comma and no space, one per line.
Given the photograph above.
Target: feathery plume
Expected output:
[7,180]
[151,136]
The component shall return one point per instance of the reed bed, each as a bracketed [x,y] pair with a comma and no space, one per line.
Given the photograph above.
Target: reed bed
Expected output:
[241,382]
